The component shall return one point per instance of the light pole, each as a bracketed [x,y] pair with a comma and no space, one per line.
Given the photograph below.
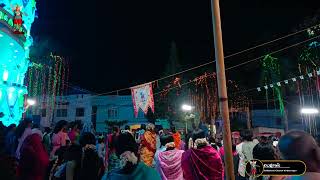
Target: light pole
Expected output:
[186,108]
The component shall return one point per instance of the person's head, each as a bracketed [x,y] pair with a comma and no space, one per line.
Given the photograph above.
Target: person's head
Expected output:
[127,128]
[143,126]
[167,141]
[246,135]
[127,150]
[115,129]
[47,130]
[100,140]
[26,123]
[173,129]
[263,139]
[60,126]
[199,138]
[11,127]
[87,139]
[265,151]
[150,127]
[212,140]
[299,145]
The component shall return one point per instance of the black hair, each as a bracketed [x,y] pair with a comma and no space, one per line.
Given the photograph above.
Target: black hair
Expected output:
[22,126]
[127,127]
[246,135]
[173,129]
[143,126]
[264,151]
[198,135]
[47,129]
[125,142]
[100,140]
[87,138]
[166,139]
[59,126]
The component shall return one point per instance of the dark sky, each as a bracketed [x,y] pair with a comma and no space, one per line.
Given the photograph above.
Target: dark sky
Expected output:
[114,44]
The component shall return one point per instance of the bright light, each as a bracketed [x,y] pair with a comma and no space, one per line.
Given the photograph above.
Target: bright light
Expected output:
[309,111]
[16,51]
[1,35]
[31,102]
[5,75]
[11,44]
[186,107]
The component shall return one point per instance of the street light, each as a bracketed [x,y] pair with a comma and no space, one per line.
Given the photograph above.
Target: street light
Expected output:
[31,102]
[309,111]
[186,107]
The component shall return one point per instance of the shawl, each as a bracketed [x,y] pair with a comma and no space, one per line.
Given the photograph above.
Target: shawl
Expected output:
[142,172]
[202,164]
[168,165]
[58,140]
[34,159]
[148,147]
[26,133]
[177,139]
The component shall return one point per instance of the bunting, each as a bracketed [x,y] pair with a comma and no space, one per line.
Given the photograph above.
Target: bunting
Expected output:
[142,98]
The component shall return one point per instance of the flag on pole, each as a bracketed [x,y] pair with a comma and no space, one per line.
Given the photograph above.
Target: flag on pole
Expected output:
[142,98]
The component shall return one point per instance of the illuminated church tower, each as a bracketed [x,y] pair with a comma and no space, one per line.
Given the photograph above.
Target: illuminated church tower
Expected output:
[16,18]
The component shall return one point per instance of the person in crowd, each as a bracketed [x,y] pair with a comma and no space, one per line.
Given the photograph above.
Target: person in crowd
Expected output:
[131,168]
[244,150]
[148,145]
[202,161]
[163,142]
[111,157]
[140,133]
[89,166]
[127,129]
[34,160]
[22,132]
[74,134]
[59,137]
[8,164]
[266,151]
[47,139]
[212,142]
[56,171]
[177,137]
[168,162]
[36,129]
[101,148]
[234,155]
[10,140]
[290,146]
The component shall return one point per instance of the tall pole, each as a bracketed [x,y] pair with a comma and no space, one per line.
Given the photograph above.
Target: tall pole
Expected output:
[222,89]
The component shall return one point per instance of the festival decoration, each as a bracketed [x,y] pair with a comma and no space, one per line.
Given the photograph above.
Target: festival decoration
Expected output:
[142,97]
[14,56]
[271,73]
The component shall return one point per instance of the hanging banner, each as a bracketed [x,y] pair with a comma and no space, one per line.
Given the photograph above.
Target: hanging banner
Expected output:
[142,98]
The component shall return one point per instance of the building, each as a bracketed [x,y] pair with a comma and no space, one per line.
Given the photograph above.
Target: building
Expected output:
[87,108]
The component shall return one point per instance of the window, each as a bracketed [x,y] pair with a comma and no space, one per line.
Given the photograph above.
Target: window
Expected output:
[43,112]
[62,112]
[80,112]
[112,113]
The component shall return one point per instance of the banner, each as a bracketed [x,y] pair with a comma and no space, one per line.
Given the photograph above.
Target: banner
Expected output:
[142,97]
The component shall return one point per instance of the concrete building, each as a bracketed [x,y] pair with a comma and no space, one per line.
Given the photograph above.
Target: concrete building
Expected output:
[87,108]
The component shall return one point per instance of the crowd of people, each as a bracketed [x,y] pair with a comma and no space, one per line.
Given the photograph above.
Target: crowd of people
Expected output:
[67,153]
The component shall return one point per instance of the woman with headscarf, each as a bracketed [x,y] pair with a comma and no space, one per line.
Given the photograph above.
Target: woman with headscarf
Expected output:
[202,161]
[168,162]
[59,137]
[34,159]
[148,145]
[111,157]
[130,167]
[22,132]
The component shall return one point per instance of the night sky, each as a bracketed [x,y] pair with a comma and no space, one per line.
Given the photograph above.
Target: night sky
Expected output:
[117,44]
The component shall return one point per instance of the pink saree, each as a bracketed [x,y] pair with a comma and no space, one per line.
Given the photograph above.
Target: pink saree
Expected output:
[168,165]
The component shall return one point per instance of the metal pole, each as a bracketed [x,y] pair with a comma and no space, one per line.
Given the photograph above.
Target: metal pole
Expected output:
[222,90]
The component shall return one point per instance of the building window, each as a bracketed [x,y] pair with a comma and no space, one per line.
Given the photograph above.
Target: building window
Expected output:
[43,112]
[80,112]
[62,112]
[112,113]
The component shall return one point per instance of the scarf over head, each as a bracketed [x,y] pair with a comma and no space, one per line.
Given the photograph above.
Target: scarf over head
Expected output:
[204,164]
[169,165]
[148,147]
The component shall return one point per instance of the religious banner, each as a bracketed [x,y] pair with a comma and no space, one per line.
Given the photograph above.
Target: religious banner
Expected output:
[142,97]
